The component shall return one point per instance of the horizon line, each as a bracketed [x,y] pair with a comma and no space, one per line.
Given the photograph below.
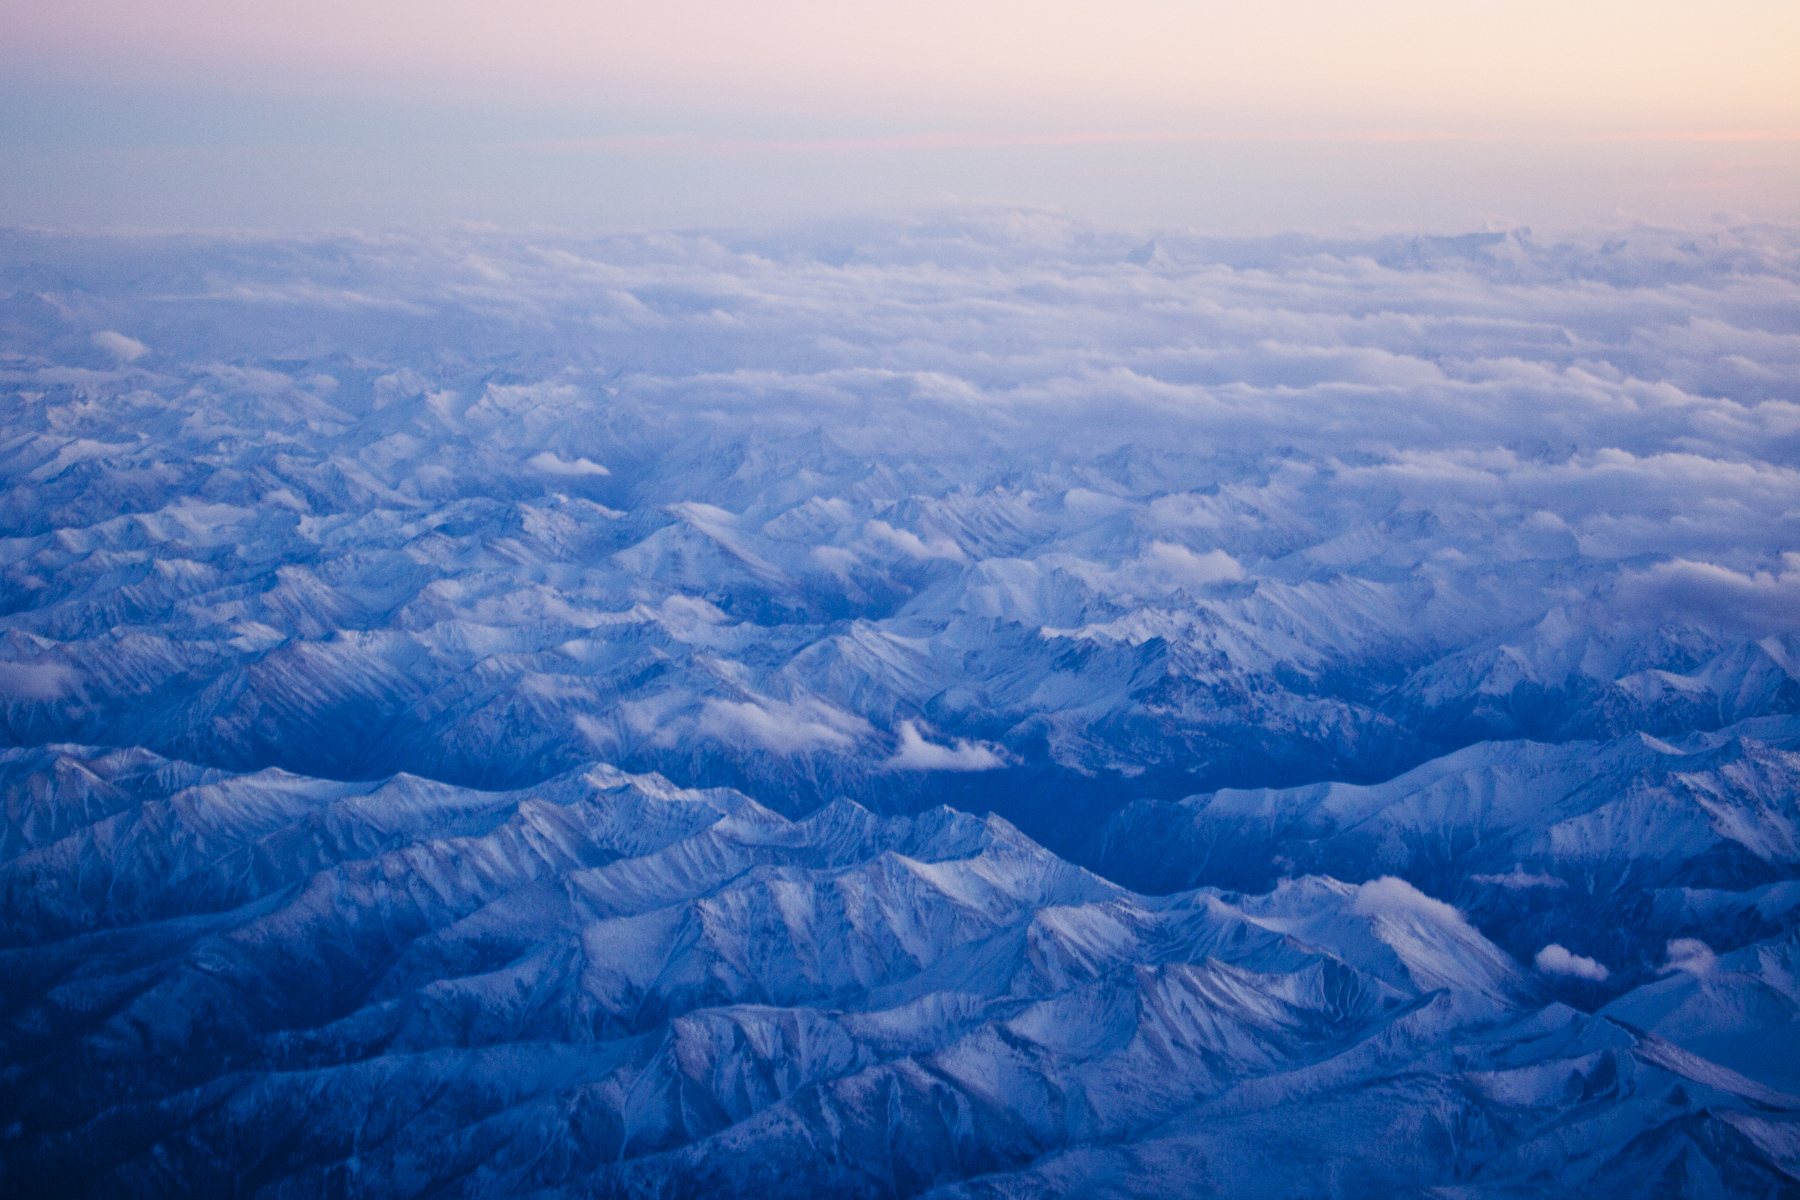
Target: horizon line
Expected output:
[958,140]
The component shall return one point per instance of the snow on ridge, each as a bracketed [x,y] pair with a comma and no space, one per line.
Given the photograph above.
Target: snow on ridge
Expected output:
[1547,815]
[754,985]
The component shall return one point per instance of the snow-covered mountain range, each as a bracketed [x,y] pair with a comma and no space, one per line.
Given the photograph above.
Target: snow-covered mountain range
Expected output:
[973,702]
[607,985]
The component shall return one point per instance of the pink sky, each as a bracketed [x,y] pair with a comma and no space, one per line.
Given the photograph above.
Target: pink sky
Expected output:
[1445,114]
[1285,66]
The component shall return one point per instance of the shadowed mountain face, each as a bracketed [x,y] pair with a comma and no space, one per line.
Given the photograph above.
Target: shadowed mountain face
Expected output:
[607,985]
[987,710]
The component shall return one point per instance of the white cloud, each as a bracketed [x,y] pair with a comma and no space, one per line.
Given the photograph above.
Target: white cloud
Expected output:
[910,544]
[1709,594]
[1178,566]
[1691,955]
[125,349]
[551,463]
[834,559]
[1391,896]
[689,618]
[1554,960]
[917,754]
[786,729]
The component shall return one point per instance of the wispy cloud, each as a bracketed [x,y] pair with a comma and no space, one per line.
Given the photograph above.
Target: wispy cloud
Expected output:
[125,349]
[1519,879]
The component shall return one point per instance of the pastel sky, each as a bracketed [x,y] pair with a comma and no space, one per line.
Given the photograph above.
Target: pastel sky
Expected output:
[1292,111]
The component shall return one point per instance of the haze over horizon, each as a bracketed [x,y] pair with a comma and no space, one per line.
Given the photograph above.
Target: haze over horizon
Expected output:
[1383,116]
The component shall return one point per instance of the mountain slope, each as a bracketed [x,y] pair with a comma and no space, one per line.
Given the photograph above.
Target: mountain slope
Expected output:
[609,986]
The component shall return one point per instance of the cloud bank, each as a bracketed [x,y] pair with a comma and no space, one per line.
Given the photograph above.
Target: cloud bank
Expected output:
[767,506]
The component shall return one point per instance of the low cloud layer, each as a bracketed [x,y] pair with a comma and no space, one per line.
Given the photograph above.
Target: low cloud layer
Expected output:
[1756,601]
[873,500]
